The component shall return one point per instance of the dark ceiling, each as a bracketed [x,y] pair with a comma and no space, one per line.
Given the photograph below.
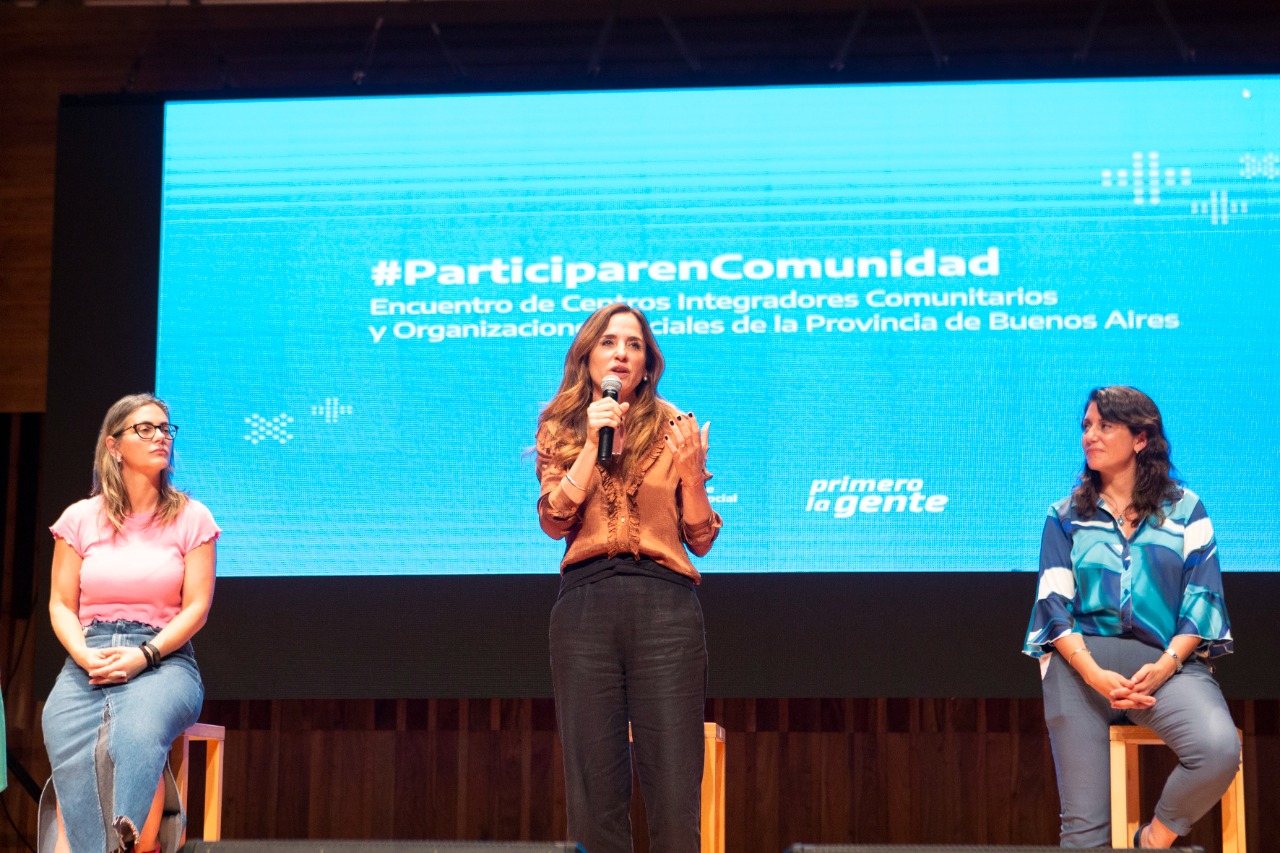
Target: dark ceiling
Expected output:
[487,43]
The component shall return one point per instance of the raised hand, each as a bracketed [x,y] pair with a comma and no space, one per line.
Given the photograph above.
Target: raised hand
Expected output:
[688,445]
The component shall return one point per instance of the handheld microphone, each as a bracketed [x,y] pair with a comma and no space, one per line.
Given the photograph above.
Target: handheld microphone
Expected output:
[610,385]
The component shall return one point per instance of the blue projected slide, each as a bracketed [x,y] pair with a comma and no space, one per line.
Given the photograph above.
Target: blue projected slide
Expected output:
[889,301]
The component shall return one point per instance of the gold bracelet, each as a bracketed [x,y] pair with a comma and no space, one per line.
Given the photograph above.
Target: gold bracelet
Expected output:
[1084,649]
[574,483]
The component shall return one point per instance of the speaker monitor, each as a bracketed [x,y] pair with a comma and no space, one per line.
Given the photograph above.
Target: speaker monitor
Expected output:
[303,846]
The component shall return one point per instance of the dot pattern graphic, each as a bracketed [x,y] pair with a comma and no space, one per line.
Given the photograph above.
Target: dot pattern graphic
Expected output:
[331,410]
[264,429]
[1267,166]
[1219,208]
[1145,177]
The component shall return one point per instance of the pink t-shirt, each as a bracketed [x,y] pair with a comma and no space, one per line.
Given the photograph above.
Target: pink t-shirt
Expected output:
[138,573]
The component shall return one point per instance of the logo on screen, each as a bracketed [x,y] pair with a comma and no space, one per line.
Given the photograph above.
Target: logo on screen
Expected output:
[848,496]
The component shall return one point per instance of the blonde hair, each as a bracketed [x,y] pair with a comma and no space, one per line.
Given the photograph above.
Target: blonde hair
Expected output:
[565,417]
[109,482]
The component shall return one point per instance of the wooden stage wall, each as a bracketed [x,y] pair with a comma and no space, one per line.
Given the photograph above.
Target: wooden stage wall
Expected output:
[820,770]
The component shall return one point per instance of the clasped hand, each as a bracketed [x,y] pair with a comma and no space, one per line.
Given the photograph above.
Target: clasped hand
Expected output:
[114,665]
[1137,692]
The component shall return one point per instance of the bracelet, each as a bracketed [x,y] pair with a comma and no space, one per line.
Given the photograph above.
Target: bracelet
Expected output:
[152,654]
[574,483]
[1084,649]
[1177,661]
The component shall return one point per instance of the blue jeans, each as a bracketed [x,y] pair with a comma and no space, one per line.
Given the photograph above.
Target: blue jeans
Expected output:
[631,648]
[1190,716]
[108,745]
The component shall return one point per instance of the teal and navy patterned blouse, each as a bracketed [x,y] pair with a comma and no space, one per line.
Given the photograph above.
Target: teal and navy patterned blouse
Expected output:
[1162,583]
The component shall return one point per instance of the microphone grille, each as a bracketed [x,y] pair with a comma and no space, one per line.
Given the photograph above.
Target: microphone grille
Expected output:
[611,383]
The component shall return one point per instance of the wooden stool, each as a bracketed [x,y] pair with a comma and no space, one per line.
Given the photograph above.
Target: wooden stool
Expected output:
[1125,815]
[713,789]
[179,761]
[712,786]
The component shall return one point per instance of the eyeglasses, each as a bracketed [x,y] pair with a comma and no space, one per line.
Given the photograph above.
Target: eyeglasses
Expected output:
[147,431]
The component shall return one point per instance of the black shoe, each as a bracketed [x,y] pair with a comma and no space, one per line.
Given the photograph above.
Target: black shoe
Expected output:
[1137,836]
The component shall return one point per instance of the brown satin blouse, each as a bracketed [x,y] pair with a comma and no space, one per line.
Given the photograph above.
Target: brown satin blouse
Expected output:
[638,514]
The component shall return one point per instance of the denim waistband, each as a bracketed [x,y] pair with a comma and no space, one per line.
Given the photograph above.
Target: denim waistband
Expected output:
[120,626]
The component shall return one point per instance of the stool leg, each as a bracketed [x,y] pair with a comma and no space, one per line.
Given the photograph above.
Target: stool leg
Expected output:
[1119,796]
[1233,834]
[720,795]
[712,789]
[1133,790]
[213,790]
[708,829]
[180,763]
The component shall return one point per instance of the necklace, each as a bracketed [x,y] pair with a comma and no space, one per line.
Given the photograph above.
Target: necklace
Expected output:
[1121,516]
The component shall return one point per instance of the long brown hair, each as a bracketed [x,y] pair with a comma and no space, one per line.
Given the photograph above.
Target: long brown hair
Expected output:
[566,415]
[109,482]
[1155,482]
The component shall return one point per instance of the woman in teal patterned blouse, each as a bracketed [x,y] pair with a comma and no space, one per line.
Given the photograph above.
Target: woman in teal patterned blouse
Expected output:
[1130,599]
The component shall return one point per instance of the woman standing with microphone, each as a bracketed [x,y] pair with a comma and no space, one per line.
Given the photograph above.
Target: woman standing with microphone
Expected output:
[627,642]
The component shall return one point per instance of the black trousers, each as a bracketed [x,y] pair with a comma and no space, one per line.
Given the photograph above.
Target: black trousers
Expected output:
[631,648]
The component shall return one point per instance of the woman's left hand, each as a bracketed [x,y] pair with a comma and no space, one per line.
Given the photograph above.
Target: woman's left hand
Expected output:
[1149,678]
[1126,699]
[120,664]
[688,445]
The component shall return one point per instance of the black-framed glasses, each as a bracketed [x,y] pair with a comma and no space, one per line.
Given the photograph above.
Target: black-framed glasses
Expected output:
[147,431]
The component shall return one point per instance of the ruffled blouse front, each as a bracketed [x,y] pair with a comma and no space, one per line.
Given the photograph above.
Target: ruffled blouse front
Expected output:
[640,513]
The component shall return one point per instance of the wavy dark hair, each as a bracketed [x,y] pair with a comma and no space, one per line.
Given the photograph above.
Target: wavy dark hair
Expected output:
[1156,482]
[566,415]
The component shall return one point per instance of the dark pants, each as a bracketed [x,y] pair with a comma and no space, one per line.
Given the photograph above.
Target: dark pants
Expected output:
[631,648]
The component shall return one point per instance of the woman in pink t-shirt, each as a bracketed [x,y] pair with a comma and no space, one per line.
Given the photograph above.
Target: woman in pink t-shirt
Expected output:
[133,572]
